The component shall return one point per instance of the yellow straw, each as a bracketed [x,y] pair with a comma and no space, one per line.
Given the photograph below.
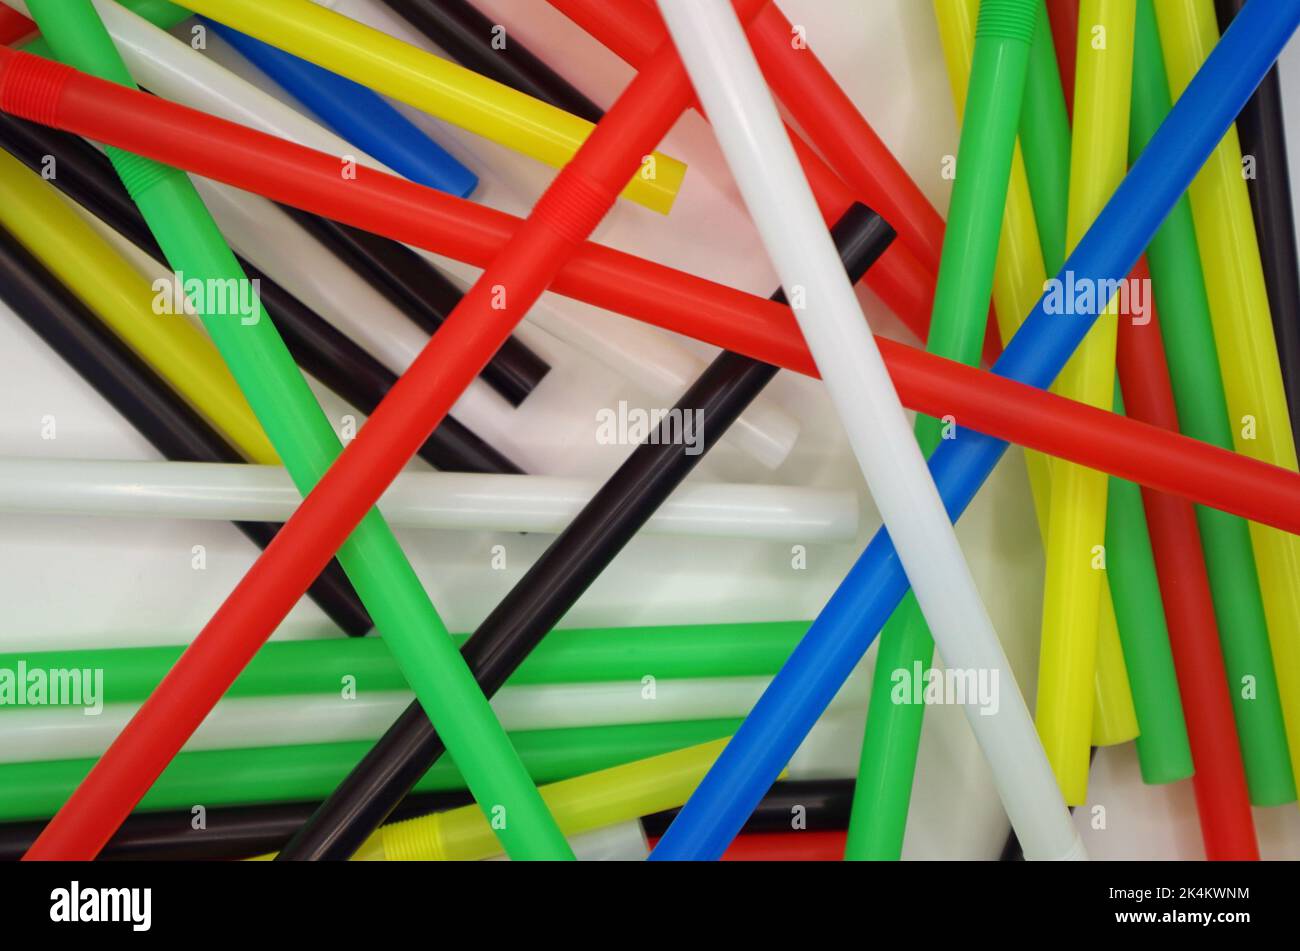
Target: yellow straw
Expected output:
[593,801]
[1077,528]
[47,226]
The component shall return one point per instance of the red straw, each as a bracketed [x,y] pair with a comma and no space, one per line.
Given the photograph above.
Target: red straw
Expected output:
[1064,16]
[1222,798]
[14,26]
[817,845]
[764,330]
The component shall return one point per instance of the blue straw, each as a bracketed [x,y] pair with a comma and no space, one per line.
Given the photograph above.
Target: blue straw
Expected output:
[840,636]
[356,114]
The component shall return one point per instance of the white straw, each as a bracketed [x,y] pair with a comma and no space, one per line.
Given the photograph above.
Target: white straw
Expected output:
[727,80]
[48,733]
[649,358]
[430,500]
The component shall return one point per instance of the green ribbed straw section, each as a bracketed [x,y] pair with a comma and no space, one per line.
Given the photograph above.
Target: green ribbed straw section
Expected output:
[1008,19]
[139,174]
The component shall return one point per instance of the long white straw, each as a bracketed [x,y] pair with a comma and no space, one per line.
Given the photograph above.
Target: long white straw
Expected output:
[431,500]
[47,733]
[727,80]
[649,358]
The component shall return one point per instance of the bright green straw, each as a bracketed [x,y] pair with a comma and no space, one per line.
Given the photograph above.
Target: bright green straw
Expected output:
[588,655]
[304,439]
[1164,753]
[961,305]
[312,771]
[1203,414]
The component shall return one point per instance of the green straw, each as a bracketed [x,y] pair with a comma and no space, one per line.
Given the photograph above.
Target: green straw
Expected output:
[312,771]
[589,655]
[1179,285]
[304,439]
[1045,143]
[1164,753]
[961,302]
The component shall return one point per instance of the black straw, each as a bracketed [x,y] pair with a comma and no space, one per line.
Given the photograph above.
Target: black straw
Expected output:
[477,43]
[1263,136]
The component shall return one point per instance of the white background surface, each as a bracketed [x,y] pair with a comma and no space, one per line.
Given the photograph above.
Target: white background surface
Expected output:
[81,582]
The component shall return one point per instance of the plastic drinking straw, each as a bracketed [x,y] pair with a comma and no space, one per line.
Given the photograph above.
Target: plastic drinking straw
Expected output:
[555,582]
[1234,616]
[730,86]
[1077,526]
[811,805]
[1263,137]
[803,805]
[1045,135]
[286,774]
[1045,141]
[580,804]
[33,212]
[87,176]
[567,213]
[1248,357]
[785,847]
[384,579]
[480,44]
[423,293]
[14,26]
[143,398]
[57,733]
[441,500]
[450,92]
[633,31]
[357,114]
[621,842]
[572,655]
[992,404]
[970,250]
[838,639]
[1063,25]
[231,832]
[171,68]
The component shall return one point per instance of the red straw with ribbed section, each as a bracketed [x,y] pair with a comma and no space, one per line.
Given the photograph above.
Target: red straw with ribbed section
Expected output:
[683,303]
[567,213]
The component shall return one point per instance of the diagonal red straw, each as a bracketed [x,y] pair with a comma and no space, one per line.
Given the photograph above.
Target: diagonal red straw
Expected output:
[576,201]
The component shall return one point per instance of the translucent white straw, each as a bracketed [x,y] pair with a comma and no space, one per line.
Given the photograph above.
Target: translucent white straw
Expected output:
[46,733]
[433,500]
